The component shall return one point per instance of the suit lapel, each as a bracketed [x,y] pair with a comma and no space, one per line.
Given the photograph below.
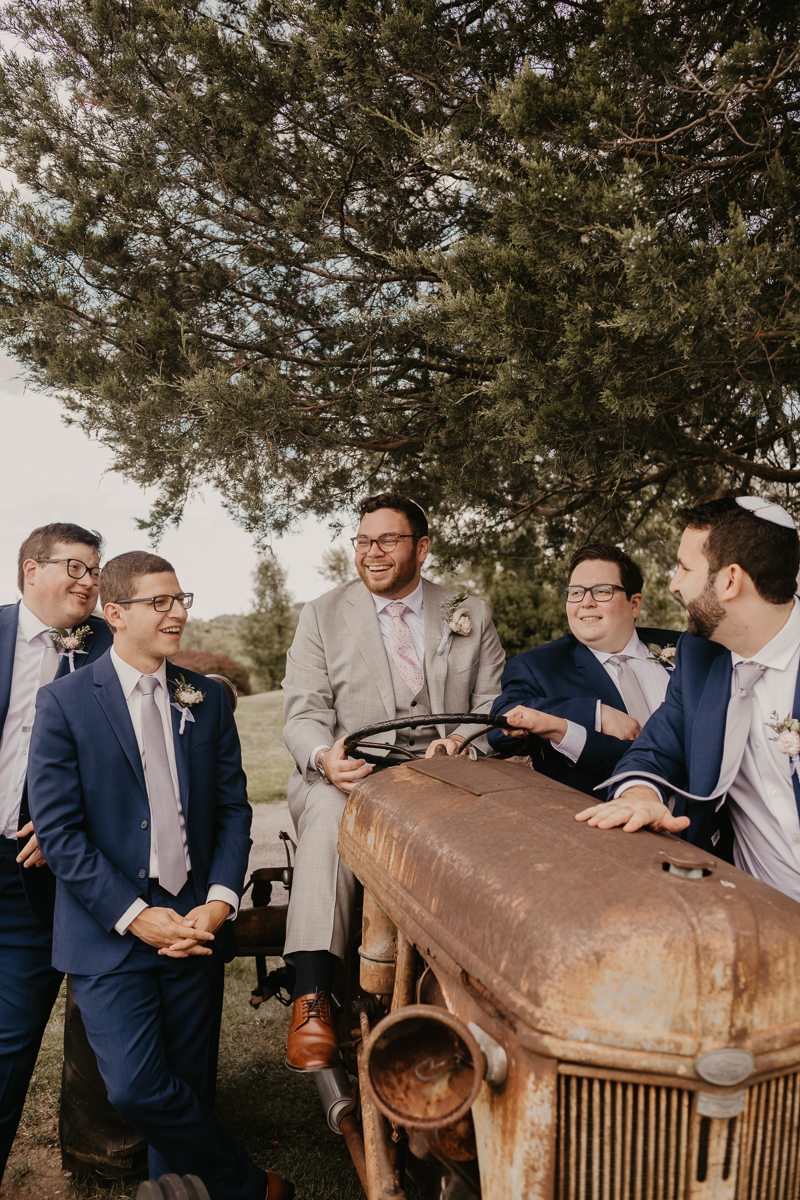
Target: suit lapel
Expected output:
[110,698]
[708,727]
[9,618]
[796,713]
[595,671]
[182,743]
[435,664]
[360,617]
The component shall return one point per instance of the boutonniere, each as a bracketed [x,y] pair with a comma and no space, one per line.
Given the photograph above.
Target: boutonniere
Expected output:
[788,739]
[665,655]
[185,698]
[71,643]
[456,620]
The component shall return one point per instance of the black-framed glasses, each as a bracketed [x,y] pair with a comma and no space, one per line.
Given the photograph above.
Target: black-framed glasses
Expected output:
[162,603]
[600,592]
[75,568]
[387,541]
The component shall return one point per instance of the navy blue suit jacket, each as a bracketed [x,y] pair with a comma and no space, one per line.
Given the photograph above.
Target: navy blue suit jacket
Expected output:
[39,882]
[564,678]
[682,742]
[90,809]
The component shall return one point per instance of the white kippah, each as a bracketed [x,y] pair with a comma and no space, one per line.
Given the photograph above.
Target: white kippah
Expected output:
[766,510]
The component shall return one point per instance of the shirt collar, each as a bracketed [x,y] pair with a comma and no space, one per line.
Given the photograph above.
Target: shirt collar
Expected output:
[634,649]
[29,624]
[779,652]
[414,601]
[129,676]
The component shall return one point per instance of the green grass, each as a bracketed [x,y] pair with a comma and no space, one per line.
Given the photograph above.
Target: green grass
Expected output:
[274,1113]
[267,762]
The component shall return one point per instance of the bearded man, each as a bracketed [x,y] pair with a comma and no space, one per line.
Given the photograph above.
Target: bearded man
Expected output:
[372,649]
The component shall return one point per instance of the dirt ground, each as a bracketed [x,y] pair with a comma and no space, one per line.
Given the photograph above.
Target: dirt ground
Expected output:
[34,1168]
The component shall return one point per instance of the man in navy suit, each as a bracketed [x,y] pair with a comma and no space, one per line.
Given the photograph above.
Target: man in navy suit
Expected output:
[586,695]
[724,740]
[57,574]
[140,805]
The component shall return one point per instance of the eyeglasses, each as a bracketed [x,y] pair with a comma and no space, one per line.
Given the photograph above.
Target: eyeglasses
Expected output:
[75,568]
[387,541]
[162,603]
[600,592]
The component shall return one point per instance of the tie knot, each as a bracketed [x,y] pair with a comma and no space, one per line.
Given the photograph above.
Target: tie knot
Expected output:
[747,674]
[147,685]
[616,659]
[397,608]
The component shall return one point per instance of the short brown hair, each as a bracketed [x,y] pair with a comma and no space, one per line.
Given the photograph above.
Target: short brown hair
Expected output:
[768,553]
[40,542]
[629,571]
[400,503]
[120,576]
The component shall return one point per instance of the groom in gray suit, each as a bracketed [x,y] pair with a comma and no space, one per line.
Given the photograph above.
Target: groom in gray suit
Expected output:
[373,649]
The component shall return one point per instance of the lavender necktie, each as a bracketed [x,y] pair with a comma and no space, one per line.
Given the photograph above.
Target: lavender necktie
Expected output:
[49,664]
[630,689]
[172,873]
[402,649]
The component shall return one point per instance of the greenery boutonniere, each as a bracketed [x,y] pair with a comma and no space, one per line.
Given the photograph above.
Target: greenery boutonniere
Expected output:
[665,655]
[456,620]
[185,698]
[71,643]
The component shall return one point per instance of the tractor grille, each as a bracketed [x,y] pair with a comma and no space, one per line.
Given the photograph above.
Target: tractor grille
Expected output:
[769,1164]
[621,1140]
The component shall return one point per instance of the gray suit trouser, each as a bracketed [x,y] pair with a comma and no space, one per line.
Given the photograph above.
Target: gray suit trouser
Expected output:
[323,888]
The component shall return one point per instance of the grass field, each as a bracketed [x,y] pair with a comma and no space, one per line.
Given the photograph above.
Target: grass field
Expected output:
[267,762]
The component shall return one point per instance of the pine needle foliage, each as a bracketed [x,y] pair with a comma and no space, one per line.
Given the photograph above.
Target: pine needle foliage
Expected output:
[534,262]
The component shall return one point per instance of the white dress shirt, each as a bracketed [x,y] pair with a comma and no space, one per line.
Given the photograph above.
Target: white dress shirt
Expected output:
[414,619]
[761,799]
[32,638]
[652,678]
[129,678]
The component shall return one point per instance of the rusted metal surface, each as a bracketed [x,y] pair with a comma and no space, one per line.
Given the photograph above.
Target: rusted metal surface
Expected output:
[378,949]
[423,1067]
[355,1145]
[261,930]
[371,1163]
[405,983]
[583,937]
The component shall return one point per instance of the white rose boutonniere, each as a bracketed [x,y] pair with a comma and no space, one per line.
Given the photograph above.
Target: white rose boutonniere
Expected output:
[184,699]
[456,620]
[71,643]
[788,739]
[665,655]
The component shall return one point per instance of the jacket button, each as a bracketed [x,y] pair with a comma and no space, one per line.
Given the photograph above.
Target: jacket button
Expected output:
[145,824]
[413,704]
[142,873]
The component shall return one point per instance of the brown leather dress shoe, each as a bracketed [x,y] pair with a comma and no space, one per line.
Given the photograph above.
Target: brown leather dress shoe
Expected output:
[312,1044]
[278,1188]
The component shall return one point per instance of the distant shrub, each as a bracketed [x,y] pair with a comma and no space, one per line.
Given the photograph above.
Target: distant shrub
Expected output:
[206,662]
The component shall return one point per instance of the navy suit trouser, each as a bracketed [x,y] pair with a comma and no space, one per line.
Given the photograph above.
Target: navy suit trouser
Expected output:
[28,989]
[154,1023]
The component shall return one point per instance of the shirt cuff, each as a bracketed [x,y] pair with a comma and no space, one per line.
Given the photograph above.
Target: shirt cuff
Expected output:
[130,914]
[572,743]
[629,783]
[598,717]
[218,892]
[312,758]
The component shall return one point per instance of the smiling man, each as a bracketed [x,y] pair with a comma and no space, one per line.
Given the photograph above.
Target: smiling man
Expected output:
[724,741]
[587,695]
[57,575]
[140,804]
[371,650]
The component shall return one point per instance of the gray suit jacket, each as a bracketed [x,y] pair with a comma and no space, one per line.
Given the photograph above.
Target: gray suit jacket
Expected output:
[338,677]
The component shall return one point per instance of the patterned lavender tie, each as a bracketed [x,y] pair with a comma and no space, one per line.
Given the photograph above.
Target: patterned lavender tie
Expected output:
[402,649]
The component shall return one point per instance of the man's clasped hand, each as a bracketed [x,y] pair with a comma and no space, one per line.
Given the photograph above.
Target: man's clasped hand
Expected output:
[124,810]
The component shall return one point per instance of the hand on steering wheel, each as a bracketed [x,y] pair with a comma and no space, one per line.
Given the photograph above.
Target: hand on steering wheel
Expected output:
[343,772]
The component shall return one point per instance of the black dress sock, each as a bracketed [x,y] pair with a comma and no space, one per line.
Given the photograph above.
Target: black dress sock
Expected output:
[314,972]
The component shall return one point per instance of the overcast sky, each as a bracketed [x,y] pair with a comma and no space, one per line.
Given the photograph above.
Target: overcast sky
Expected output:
[54,473]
